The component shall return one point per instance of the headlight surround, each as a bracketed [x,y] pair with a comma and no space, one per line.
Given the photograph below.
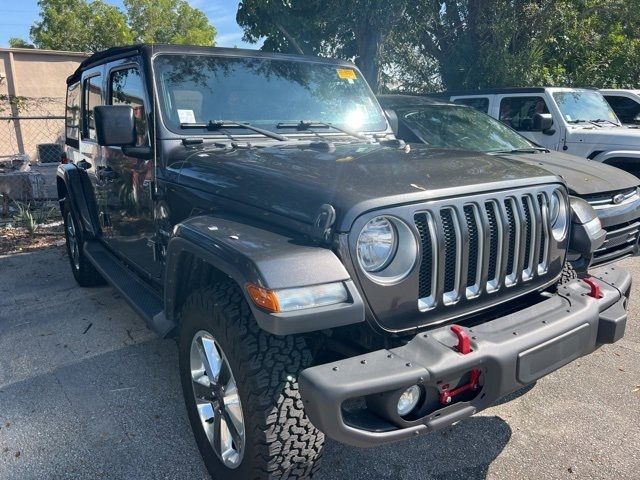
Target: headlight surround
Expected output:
[387,249]
[377,244]
[558,215]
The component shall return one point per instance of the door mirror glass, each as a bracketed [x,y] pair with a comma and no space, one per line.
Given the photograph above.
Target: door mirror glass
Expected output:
[542,122]
[115,126]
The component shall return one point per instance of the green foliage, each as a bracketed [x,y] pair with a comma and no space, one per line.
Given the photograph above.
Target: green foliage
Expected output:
[168,21]
[79,25]
[15,42]
[25,218]
[422,45]
[93,25]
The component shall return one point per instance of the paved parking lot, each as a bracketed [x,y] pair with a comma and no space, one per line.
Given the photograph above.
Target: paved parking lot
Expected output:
[87,392]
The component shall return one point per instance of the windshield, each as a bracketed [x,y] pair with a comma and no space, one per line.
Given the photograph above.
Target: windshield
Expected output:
[461,128]
[584,106]
[195,89]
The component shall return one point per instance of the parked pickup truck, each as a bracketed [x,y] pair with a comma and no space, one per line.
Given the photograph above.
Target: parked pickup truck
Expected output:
[613,193]
[322,276]
[573,120]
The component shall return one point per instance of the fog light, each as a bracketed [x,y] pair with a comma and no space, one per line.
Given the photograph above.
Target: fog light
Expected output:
[408,400]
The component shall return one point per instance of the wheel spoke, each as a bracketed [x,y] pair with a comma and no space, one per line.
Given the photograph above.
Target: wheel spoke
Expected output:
[233,406]
[231,428]
[227,452]
[210,359]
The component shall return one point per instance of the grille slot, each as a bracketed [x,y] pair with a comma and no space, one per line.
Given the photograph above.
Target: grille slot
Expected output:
[487,246]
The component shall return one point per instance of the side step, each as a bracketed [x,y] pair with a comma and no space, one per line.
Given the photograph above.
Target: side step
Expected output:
[144,300]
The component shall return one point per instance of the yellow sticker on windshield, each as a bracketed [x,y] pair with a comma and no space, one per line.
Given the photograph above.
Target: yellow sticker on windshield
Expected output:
[346,73]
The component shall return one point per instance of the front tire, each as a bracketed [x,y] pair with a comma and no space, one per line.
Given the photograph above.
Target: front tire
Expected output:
[220,339]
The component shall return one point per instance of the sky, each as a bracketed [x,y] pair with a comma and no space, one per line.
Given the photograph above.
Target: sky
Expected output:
[17,16]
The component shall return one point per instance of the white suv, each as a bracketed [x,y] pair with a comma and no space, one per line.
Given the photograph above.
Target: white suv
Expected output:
[626,104]
[572,120]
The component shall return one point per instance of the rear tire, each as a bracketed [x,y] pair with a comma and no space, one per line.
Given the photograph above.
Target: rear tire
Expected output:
[83,270]
[279,440]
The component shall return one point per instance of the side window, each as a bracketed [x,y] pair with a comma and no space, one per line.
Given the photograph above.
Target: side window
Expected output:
[627,109]
[127,88]
[518,112]
[479,103]
[92,97]
[72,116]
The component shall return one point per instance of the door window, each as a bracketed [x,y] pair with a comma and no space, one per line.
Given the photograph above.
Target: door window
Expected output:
[627,109]
[479,103]
[92,97]
[127,88]
[518,112]
[72,116]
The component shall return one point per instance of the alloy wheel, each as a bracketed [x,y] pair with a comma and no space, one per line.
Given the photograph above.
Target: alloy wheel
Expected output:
[217,399]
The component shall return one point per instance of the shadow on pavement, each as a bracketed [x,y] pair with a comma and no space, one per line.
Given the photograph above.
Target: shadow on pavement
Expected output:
[463,451]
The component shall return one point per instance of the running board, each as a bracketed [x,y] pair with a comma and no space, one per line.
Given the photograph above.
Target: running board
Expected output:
[142,298]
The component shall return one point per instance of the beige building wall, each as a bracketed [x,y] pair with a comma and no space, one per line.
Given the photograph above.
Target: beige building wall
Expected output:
[38,78]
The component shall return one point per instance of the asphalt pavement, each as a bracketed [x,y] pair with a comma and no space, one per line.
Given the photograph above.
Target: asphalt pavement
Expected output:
[88,392]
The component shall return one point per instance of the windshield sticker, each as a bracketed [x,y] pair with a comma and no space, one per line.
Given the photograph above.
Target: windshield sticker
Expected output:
[346,73]
[186,116]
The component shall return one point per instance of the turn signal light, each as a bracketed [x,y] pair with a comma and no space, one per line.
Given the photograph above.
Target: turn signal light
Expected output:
[263,298]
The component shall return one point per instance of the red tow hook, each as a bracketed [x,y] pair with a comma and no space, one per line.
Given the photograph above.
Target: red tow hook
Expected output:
[464,347]
[446,397]
[464,344]
[594,286]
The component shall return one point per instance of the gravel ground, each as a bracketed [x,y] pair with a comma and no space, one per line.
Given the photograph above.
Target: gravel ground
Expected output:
[87,392]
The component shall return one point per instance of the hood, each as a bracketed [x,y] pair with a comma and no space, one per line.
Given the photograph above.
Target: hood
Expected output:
[296,180]
[605,135]
[583,177]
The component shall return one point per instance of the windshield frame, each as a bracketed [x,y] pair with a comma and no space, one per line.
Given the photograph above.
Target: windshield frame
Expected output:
[401,112]
[247,133]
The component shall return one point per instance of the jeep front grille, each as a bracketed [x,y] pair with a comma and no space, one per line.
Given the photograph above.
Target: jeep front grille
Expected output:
[480,248]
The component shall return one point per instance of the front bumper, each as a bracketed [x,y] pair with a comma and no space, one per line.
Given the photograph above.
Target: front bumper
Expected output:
[508,353]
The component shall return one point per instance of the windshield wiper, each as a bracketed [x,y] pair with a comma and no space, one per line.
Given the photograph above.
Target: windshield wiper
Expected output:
[310,124]
[523,150]
[221,124]
[603,120]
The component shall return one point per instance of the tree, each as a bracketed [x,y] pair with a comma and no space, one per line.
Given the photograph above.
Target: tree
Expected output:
[356,29]
[93,25]
[79,25]
[168,21]
[15,42]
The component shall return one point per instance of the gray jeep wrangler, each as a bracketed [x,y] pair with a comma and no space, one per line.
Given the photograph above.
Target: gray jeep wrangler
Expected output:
[322,277]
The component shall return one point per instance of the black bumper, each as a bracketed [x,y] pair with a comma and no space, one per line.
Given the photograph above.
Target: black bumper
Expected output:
[509,352]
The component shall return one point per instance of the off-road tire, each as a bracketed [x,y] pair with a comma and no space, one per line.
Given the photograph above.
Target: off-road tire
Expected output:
[280,440]
[84,272]
[568,273]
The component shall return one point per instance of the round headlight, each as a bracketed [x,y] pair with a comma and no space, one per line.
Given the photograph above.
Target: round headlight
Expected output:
[558,215]
[408,400]
[376,244]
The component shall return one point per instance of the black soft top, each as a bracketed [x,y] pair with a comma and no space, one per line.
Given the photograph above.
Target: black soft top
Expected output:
[147,50]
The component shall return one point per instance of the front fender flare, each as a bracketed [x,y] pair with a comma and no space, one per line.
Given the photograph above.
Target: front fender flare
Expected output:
[80,194]
[250,254]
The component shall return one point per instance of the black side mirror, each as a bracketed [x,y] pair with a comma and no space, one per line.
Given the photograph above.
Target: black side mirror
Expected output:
[115,125]
[542,122]
[393,119]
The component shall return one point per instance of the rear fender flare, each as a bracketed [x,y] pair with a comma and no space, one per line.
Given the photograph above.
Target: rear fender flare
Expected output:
[77,189]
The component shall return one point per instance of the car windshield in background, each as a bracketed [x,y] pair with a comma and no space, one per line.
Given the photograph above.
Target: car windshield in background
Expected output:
[461,128]
[197,89]
[585,106]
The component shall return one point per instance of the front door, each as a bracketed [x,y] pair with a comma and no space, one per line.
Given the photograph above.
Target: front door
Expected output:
[130,205]
[517,111]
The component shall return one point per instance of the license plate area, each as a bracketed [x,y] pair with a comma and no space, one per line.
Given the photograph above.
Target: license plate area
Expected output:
[542,359]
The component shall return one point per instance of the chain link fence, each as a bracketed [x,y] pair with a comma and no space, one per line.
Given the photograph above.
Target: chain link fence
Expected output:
[33,127]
